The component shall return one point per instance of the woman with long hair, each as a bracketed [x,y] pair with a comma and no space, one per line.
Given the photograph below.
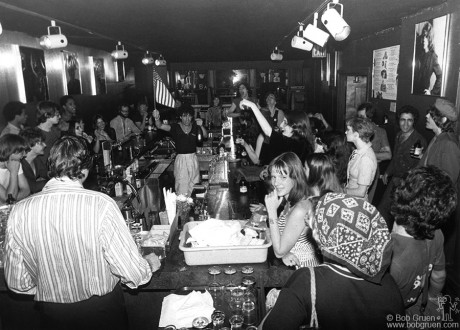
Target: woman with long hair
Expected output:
[427,64]
[77,128]
[102,132]
[321,176]
[214,113]
[294,135]
[352,288]
[289,233]
[336,146]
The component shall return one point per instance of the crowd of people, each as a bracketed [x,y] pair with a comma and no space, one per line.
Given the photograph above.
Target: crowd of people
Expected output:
[358,258]
[54,121]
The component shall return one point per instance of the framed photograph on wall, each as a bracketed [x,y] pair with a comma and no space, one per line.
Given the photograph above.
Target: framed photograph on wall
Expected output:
[34,73]
[430,52]
[385,73]
[72,73]
[99,75]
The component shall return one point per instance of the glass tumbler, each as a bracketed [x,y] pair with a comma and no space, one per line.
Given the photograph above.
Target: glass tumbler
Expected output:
[236,301]
[236,322]
[218,319]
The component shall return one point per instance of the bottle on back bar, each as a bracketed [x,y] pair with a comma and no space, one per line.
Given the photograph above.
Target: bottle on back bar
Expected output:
[199,137]
[243,185]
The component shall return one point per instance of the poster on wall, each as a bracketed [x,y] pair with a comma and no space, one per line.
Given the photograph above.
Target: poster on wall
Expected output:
[99,75]
[72,72]
[429,63]
[34,73]
[385,73]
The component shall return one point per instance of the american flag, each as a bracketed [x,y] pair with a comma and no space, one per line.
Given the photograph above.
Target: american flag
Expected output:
[162,94]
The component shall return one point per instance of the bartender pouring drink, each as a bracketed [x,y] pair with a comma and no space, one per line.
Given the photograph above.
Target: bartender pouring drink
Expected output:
[70,248]
[184,134]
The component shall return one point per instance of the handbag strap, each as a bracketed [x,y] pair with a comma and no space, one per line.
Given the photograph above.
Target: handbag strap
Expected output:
[314,317]
[427,280]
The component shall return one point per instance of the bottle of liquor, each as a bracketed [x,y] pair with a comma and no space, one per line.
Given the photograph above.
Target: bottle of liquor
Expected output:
[199,137]
[418,148]
[243,185]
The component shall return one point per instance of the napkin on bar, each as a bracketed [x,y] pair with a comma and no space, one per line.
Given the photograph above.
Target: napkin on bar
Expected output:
[170,203]
[180,310]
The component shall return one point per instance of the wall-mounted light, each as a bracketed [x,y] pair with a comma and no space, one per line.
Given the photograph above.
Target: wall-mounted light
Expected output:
[1,29]
[148,59]
[276,55]
[334,22]
[314,34]
[54,39]
[120,53]
[298,41]
[160,61]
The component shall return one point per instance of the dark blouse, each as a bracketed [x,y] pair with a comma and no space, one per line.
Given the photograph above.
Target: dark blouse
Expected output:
[279,144]
[185,143]
[36,181]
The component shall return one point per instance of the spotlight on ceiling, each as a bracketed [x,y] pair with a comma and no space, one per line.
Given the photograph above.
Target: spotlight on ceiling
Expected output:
[120,53]
[298,41]
[148,59]
[315,35]
[54,39]
[276,55]
[334,22]
[160,61]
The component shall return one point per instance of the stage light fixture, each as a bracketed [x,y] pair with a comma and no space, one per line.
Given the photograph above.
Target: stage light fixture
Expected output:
[334,22]
[148,59]
[276,55]
[314,34]
[298,41]
[54,39]
[120,53]
[160,61]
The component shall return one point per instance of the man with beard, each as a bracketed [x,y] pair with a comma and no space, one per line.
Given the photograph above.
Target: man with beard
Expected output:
[123,126]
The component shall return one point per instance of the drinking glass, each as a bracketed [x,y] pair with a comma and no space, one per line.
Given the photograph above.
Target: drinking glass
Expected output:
[230,271]
[214,287]
[236,301]
[236,322]
[218,318]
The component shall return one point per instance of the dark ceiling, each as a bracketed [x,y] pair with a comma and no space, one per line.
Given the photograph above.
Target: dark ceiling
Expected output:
[197,30]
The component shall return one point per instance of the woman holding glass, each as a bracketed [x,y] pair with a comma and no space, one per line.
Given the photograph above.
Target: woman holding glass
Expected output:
[289,233]
[352,289]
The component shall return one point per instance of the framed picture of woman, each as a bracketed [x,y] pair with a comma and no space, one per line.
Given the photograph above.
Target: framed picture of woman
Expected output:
[34,72]
[430,44]
[72,69]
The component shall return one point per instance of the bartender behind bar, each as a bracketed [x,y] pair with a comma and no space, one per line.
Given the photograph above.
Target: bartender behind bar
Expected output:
[70,248]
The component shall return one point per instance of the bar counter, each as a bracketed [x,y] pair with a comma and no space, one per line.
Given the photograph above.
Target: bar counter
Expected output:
[144,304]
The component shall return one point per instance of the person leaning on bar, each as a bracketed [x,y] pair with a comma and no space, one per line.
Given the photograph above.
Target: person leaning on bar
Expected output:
[70,248]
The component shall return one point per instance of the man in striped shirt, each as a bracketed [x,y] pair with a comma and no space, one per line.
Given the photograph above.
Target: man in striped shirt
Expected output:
[70,248]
